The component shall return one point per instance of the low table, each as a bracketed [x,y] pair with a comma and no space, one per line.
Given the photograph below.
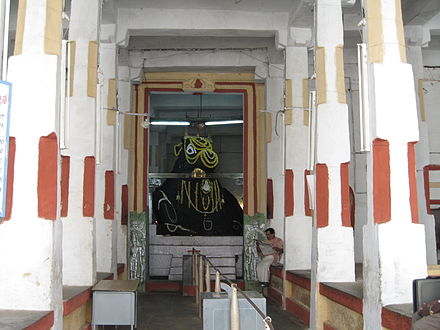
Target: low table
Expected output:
[115,303]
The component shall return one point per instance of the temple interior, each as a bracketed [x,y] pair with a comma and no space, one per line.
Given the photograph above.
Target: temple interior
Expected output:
[137,134]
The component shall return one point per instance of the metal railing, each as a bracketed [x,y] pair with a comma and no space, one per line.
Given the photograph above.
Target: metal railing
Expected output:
[201,262]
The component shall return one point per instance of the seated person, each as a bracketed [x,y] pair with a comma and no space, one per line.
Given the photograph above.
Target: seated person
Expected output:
[427,317]
[270,251]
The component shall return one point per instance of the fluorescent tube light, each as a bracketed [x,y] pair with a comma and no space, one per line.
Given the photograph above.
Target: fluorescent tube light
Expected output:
[223,122]
[170,123]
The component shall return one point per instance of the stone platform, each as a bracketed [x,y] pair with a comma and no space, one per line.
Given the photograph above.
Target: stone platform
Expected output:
[166,253]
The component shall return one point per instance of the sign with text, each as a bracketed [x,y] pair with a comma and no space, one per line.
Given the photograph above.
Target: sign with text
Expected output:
[5,109]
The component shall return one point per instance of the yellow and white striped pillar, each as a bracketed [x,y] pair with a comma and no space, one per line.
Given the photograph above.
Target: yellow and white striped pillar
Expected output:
[30,266]
[106,214]
[417,37]
[298,242]
[85,148]
[333,245]
[393,219]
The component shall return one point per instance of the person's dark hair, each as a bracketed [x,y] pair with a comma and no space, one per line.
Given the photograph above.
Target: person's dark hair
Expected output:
[270,230]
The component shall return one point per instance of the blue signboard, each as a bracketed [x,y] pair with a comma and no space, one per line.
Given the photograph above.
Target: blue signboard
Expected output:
[5,110]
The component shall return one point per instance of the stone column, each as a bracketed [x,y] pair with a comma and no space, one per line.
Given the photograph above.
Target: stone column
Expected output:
[418,37]
[105,212]
[298,243]
[79,244]
[332,244]
[390,262]
[122,157]
[30,262]
[275,148]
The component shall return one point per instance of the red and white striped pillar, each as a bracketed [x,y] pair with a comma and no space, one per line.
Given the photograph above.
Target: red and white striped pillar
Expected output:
[31,234]
[79,227]
[417,37]
[298,243]
[105,211]
[332,243]
[393,241]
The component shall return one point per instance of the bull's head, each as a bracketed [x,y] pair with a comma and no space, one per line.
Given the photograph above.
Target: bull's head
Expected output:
[195,152]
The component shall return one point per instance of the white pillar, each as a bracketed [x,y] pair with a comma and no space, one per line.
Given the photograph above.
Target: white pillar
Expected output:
[390,263]
[298,243]
[121,159]
[79,245]
[30,263]
[333,245]
[275,148]
[105,213]
[416,38]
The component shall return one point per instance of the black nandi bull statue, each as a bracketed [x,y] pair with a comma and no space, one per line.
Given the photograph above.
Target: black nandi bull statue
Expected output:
[196,205]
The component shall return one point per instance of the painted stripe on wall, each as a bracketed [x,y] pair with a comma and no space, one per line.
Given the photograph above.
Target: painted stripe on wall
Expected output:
[10,182]
[381,181]
[375,31]
[345,196]
[89,187]
[92,69]
[124,204]
[19,33]
[400,32]
[47,176]
[307,209]
[394,320]
[53,30]
[65,178]
[270,204]
[413,182]
[262,200]
[46,322]
[321,195]
[298,310]
[321,79]
[109,195]
[340,83]
[289,193]
[342,298]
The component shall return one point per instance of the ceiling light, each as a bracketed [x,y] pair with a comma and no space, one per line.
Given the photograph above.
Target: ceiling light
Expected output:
[170,123]
[223,122]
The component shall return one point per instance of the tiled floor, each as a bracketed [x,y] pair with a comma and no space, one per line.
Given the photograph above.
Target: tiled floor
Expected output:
[172,311]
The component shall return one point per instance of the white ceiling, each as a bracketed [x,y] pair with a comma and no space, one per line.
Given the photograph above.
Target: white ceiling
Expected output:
[243,5]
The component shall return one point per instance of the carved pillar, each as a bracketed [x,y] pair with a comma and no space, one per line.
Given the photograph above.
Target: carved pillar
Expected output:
[79,226]
[30,263]
[416,38]
[390,263]
[298,243]
[333,246]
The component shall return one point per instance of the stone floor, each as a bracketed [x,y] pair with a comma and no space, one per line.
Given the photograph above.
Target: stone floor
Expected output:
[172,311]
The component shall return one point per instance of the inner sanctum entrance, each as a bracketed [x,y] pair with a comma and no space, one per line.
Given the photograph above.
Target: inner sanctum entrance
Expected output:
[198,165]
[195,180]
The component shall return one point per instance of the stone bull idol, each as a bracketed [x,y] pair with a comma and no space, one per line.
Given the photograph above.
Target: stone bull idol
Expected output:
[196,205]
